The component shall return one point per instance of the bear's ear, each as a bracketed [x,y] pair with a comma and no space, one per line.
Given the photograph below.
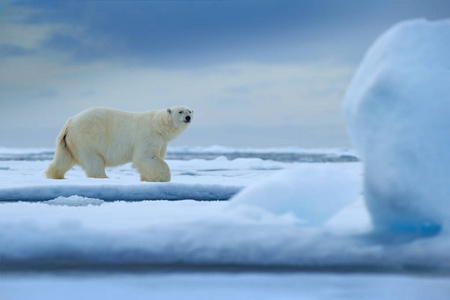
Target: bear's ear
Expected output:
[169,110]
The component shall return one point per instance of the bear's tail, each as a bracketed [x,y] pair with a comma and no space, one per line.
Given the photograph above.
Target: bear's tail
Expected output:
[64,159]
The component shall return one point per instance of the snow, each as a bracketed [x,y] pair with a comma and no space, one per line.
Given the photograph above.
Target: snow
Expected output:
[98,222]
[123,235]
[78,232]
[75,201]
[312,193]
[398,116]
[196,179]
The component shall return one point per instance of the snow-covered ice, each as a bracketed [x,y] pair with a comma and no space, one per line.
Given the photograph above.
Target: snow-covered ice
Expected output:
[397,108]
[75,201]
[196,179]
[81,225]
[79,232]
[313,193]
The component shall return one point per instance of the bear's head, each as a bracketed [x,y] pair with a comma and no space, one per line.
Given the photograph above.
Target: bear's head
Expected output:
[180,115]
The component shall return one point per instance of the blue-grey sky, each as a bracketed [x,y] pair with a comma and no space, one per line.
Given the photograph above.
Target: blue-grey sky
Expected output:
[257,73]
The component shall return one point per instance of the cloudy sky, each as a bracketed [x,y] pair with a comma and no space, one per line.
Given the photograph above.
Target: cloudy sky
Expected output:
[258,73]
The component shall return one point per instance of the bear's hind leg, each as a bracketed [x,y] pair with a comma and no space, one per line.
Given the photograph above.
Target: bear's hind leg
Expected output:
[93,165]
[60,165]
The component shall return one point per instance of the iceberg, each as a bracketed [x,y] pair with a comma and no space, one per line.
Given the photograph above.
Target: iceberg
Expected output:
[398,114]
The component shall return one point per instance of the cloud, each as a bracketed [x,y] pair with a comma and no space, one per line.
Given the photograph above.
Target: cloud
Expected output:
[188,33]
[12,50]
[244,66]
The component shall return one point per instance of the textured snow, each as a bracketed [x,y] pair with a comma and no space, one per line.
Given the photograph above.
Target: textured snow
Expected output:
[75,201]
[312,193]
[398,112]
[148,234]
[75,232]
[197,179]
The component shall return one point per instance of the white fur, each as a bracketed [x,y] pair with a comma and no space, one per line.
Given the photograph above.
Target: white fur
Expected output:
[102,137]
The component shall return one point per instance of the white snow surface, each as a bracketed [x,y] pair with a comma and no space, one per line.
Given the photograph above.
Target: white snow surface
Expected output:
[397,108]
[72,231]
[217,179]
[75,201]
[313,193]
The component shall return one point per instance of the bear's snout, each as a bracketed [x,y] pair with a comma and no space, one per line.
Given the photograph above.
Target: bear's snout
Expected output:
[187,119]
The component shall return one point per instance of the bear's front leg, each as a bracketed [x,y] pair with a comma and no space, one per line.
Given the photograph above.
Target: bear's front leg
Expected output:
[153,169]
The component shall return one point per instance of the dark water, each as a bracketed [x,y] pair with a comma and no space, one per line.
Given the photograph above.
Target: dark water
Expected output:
[275,156]
[282,157]
[45,155]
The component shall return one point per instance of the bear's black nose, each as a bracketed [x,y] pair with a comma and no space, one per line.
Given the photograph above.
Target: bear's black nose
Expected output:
[188,118]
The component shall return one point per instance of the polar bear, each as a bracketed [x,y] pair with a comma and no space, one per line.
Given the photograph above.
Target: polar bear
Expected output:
[103,137]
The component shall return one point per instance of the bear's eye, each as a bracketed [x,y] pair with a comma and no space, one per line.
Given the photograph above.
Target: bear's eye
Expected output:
[181,112]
